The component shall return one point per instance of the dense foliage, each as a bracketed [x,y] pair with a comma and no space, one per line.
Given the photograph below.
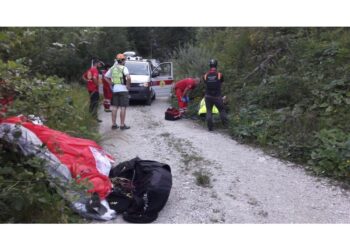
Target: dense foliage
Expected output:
[67,52]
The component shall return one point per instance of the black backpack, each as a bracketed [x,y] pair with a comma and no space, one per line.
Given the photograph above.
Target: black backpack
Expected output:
[141,189]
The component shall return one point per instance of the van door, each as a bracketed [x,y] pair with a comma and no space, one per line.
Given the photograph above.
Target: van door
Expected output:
[163,82]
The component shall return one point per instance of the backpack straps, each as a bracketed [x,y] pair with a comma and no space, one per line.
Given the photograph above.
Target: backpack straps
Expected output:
[205,76]
[219,76]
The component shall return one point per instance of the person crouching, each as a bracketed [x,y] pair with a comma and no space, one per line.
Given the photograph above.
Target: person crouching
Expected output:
[182,88]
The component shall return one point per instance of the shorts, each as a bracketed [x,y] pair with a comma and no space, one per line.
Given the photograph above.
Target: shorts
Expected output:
[120,99]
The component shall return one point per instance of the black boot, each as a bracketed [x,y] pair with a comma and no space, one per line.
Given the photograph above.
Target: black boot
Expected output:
[210,125]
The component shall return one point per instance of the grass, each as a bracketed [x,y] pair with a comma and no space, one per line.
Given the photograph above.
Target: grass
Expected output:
[190,159]
[187,159]
[202,178]
[82,124]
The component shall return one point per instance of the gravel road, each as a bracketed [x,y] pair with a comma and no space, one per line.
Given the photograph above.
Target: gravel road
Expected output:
[246,185]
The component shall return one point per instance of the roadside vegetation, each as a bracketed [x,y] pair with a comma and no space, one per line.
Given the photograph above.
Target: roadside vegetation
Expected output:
[27,194]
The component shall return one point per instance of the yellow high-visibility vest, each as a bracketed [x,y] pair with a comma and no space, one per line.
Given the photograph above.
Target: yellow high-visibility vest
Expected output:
[203,108]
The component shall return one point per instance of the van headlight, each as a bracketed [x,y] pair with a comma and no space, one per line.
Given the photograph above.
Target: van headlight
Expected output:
[145,84]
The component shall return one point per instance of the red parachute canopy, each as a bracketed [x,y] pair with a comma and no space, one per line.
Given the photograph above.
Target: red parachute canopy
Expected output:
[85,159]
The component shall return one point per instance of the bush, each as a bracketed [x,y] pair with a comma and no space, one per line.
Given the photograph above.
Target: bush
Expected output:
[331,153]
[61,106]
[249,125]
[26,191]
[190,61]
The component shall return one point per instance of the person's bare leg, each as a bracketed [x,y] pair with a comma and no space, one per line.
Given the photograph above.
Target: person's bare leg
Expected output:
[122,116]
[114,115]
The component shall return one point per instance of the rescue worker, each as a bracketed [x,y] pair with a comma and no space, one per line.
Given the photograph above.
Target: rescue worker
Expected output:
[213,80]
[91,76]
[107,90]
[119,78]
[182,88]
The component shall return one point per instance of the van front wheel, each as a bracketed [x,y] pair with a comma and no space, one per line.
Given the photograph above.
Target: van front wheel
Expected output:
[149,101]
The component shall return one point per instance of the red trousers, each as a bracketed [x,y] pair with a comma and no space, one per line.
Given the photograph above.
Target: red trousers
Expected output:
[182,105]
[107,93]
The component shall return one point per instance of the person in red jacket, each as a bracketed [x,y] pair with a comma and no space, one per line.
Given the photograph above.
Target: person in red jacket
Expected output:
[91,77]
[107,90]
[182,88]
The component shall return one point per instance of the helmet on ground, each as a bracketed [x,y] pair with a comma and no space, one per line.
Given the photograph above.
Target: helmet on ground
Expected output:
[213,63]
[120,57]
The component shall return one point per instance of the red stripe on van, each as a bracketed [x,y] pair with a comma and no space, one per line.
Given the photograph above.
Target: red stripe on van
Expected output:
[166,82]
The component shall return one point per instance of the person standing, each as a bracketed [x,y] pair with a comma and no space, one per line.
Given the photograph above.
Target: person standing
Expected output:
[91,77]
[213,80]
[118,76]
[107,90]
[182,88]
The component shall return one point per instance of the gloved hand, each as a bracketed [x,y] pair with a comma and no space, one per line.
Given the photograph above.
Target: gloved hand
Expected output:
[185,99]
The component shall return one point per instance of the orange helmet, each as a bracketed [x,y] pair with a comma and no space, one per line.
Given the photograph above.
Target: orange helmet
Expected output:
[120,57]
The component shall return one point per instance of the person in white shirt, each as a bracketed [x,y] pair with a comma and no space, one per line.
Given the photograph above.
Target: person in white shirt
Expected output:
[118,76]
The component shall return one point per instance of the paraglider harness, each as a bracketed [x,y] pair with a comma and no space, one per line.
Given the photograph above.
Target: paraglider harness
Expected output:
[122,194]
[141,189]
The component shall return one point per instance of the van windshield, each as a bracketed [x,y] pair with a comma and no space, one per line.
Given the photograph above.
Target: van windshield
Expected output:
[137,68]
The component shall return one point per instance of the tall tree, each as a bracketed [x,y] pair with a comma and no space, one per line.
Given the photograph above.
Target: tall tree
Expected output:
[159,42]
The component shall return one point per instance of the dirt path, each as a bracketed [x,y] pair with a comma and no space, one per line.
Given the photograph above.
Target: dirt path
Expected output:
[246,185]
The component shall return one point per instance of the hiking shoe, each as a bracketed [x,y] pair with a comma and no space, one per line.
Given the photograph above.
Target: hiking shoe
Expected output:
[98,120]
[124,127]
[115,126]
[185,116]
[108,110]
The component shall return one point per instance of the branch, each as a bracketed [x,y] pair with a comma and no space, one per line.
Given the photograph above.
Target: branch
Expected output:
[263,65]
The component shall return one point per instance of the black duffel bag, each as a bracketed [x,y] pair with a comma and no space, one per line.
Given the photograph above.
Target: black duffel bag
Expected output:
[142,188]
